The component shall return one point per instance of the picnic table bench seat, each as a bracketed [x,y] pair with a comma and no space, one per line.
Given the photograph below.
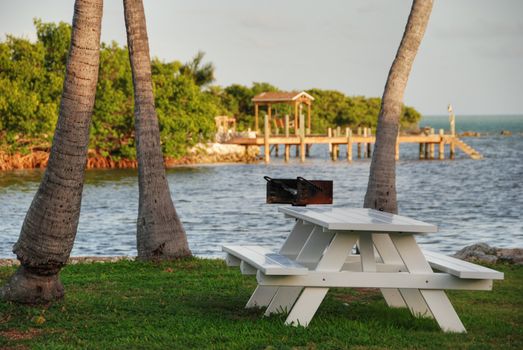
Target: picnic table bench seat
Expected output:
[262,259]
[460,268]
[271,263]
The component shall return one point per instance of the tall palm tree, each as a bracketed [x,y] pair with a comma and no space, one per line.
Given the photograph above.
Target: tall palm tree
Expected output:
[49,228]
[160,234]
[381,189]
[202,74]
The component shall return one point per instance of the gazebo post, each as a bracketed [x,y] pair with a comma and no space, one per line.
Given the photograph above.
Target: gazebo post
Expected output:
[256,129]
[309,130]
[269,113]
[296,118]
[309,117]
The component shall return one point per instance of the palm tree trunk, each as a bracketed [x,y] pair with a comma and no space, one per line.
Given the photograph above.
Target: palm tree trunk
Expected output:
[160,234]
[49,228]
[381,189]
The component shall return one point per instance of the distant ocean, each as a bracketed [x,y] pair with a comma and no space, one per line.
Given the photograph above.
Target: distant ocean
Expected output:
[470,200]
[485,124]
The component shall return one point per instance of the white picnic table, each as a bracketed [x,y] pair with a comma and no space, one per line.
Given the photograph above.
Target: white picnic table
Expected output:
[320,253]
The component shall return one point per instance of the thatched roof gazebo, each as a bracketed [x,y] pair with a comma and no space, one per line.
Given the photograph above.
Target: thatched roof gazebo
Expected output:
[293,98]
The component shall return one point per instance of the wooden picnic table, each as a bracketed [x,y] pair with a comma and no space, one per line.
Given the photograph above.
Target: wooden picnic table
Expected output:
[320,253]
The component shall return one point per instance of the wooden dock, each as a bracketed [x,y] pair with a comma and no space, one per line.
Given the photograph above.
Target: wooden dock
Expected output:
[363,140]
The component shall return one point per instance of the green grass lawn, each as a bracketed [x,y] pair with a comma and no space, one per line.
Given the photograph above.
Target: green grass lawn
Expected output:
[199,303]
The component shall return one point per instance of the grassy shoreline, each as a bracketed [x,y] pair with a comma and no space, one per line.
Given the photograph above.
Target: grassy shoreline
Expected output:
[198,304]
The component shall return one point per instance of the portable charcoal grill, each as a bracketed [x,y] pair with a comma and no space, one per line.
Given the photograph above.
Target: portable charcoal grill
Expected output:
[299,191]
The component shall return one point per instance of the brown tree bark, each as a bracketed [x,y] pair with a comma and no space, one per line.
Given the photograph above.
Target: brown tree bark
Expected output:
[160,234]
[381,189]
[49,228]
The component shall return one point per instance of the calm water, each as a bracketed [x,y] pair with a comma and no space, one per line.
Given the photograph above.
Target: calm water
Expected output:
[471,201]
[485,124]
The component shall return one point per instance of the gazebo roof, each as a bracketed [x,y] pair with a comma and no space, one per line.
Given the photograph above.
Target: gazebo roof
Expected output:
[281,96]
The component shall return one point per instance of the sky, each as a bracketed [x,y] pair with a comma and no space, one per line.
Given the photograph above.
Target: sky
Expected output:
[471,55]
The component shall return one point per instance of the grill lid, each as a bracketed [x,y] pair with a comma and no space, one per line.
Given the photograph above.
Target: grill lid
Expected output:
[299,191]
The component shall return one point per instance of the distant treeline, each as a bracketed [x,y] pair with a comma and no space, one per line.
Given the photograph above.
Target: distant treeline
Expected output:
[31,79]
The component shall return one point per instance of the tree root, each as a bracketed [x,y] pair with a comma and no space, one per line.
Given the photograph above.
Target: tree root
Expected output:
[27,287]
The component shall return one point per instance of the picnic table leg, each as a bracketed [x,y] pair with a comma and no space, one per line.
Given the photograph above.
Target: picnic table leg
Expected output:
[332,260]
[292,246]
[368,263]
[297,238]
[310,253]
[306,306]
[283,300]
[261,296]
[410,298]
[436,300]
[392,296]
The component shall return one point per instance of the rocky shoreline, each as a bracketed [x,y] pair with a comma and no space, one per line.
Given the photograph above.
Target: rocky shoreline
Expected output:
[223,153]
[483,253]
[479,253]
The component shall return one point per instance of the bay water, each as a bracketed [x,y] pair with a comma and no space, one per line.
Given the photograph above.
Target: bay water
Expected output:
[469,200]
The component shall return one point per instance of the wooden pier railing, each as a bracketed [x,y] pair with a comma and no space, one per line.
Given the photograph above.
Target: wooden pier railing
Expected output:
[363,139]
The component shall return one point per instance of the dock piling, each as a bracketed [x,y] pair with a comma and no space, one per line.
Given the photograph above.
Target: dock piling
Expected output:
[287,146]
[359,144]
[266,136]
[364,144]
[329,135]
[369,145]
[339,133]
[348,133]
[441,149]
[302,137]
[431,145]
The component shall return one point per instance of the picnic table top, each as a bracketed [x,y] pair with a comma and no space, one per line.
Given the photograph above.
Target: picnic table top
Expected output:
[358,219]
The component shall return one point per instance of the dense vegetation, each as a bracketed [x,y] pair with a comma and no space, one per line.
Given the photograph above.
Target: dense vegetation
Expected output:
[199,304]
[31,79]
